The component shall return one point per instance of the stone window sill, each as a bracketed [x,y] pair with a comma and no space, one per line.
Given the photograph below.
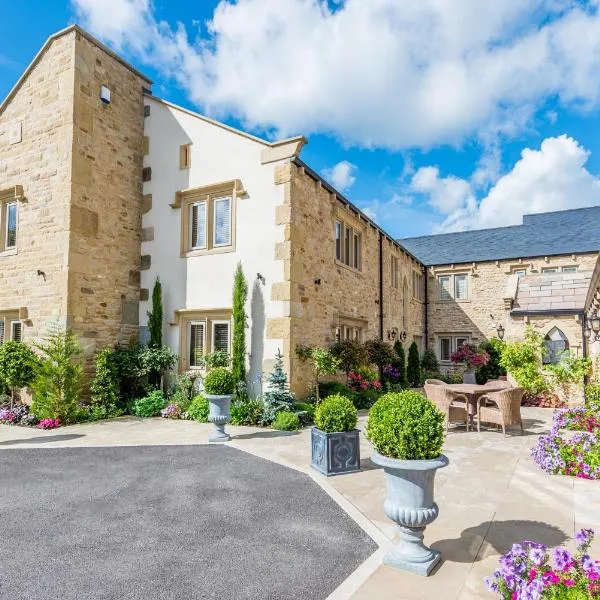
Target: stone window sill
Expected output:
[339,263]
[10,252]
[207,252]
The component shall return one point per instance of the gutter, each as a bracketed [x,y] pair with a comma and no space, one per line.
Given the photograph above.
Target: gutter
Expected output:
[546,312]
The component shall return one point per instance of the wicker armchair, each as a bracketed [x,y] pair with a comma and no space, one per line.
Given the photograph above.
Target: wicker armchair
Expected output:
[454,405]
[499,383]
[434,382]
[502,408]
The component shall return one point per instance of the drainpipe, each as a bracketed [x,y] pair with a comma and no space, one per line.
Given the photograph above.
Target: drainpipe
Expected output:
[380,286]
[426,311]
[584,343]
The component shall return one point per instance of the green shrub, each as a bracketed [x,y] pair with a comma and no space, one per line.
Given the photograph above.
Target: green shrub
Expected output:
[400,363]
[493,369]
[365,398]
[330,388]
[247,412]
[17,366]
[219,382]
[380,353]
[219,358]
[305,411]
[185,390]
[592,395]
[150,405]
[406,426]
[286,421]
[413,368]
[198,410]
[322,361]
[351,355]
[59,377]
[278,396]
[429,362]
[335,413]
[105,391]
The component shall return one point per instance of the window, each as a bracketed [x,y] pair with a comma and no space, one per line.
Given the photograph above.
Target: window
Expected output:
[185,156]
[11,328]
[548,270]
[207,218]
[220,337]
[460,287]
[569,269]
[348,245]
[350,329]
[405,305]
[222,225]
[394,273]
[418,287]
[556,344]
[454,287]
[520,272]
[8,224]
[198,225]
[448,344]
[197,344]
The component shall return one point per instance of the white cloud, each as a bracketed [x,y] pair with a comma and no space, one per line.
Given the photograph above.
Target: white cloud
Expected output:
[551,178]
[374,73]
[341,175]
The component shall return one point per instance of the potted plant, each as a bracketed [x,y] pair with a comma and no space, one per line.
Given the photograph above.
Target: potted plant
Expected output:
[335,441]
[472,357]
[407,433]
[218,388]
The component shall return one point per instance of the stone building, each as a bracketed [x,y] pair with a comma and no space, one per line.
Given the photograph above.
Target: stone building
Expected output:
[105,187]
[498,281]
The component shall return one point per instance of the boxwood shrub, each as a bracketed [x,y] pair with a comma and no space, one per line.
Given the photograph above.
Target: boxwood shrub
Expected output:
[286,421]
[150,405]
[335,413]
[219,382]
[406,425]
[198,409]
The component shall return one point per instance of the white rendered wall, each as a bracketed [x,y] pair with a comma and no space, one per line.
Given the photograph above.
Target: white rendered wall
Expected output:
[205,282]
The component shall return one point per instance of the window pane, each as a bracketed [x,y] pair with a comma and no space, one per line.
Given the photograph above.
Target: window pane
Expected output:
[549,270]
[198,225]
[356,251]
[445,287]
[16,331]
[460,341]
[1,331]
[222,221]
[11,225]
[445,349]
[347,236]
[519,272]
[221,336]
[569,269]
[460,287]
[338,240]
[196,344]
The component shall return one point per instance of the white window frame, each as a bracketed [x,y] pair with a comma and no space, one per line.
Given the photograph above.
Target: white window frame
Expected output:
[441,289]
[350,245]
[455,287]
[452,287]
[213,337]
[215,202]
[191,219]
[7,206]
[189,341]
[339,240]
[549,270]
[13,324]
[454,338]
[519,272]
[569,269]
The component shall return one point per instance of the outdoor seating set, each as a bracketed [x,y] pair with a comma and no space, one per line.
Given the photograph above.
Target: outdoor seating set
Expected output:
[496,402]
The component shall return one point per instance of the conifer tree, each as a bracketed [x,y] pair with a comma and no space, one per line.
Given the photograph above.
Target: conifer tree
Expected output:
[278,396]
[413,369]
[238,355]
[155,318]
[400,363]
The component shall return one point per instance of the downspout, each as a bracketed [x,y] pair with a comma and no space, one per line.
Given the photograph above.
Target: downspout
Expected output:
[380,286]
[584,343]
[426,311]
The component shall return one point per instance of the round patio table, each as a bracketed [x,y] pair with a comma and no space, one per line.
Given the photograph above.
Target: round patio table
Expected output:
[473,392]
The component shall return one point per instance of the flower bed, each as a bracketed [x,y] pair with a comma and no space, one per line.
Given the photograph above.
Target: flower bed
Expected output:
[575,455]
[530,571]
[18,415]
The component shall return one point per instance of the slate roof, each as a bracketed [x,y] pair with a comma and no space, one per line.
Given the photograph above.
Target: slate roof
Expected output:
[551,291]
[545,234]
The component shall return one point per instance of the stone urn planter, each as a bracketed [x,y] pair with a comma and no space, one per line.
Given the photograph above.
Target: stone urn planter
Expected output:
[219,415]
[335,453]
[218,390]
[409,503]
[469,376]
[407,433]
[335,441]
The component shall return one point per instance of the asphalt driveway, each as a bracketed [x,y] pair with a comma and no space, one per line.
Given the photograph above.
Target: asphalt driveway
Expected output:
[168,522]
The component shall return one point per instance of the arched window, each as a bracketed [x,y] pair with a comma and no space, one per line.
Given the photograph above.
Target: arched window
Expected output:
[555,342]
[405,300]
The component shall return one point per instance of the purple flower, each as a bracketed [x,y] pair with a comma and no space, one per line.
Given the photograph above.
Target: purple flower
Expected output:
[562,558]
[584,538]
[537,556]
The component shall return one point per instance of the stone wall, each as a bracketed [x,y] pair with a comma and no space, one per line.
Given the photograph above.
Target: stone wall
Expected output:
[479,315]
[36,133]
[105,213]
[319,292]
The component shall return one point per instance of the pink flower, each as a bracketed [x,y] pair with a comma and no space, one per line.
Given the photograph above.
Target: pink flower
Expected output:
[569,582]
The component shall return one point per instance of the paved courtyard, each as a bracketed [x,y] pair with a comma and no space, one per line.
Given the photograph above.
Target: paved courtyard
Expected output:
[490,496]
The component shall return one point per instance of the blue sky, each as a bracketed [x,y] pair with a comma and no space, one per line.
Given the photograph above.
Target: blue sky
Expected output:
[430,116]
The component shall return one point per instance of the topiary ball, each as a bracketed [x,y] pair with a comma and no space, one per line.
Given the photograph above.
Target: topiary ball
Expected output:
[219,382]
[336,414]
[406,426]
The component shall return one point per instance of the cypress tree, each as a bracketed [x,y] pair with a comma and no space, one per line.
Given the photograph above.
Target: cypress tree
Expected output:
[238,355]
[155,318]
[413,369]
[400,363]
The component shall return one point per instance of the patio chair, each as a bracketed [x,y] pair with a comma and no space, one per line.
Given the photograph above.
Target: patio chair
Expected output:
[434,382]
[502,408]
[454,405]
[499,383]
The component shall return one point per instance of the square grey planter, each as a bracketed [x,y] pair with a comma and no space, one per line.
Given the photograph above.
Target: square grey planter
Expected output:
[335,453]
